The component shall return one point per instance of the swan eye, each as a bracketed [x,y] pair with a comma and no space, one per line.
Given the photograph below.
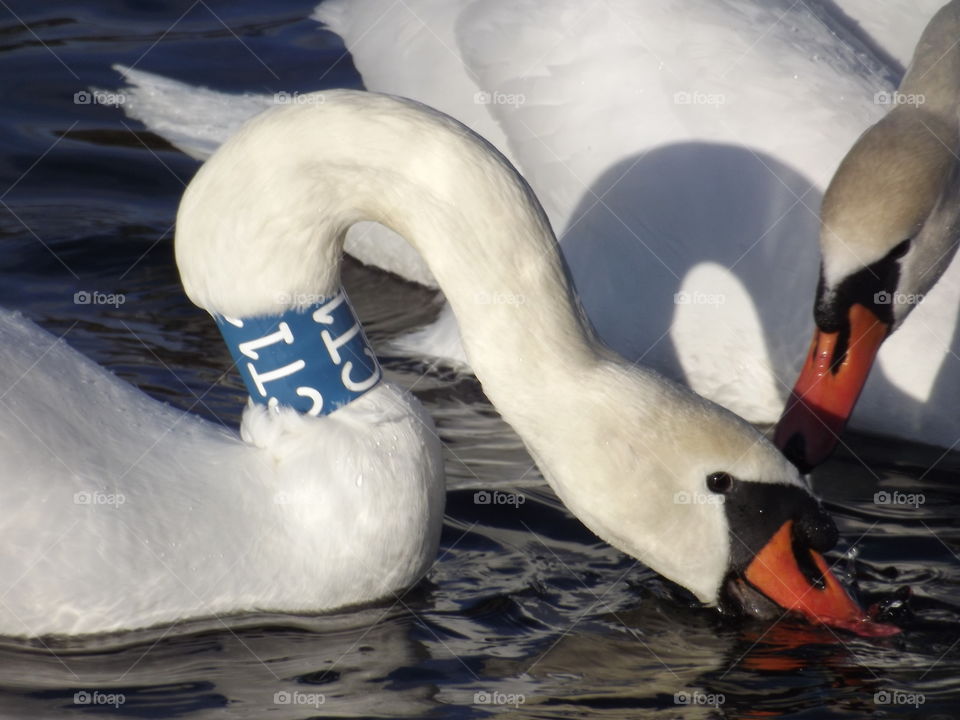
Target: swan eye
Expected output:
[720,482]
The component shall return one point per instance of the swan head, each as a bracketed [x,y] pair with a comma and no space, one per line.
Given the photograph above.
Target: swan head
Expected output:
[888,230]
[698,495]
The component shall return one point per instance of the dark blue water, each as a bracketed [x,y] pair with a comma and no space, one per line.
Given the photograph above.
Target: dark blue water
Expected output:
[525,610]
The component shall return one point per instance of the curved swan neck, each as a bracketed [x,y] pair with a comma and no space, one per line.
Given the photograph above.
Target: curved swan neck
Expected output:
[264,219]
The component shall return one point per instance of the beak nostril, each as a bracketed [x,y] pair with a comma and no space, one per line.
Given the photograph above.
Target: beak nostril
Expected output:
[816,531]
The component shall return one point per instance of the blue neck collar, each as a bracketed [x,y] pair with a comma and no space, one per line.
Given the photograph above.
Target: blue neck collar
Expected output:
[314,360]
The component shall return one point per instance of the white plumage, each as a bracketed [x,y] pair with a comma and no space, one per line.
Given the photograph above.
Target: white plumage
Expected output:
[121,512]
[680,150]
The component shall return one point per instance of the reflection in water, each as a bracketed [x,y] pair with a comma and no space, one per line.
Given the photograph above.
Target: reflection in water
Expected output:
[294,667]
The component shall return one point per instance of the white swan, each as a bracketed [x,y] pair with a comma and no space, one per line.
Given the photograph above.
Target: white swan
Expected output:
[121,512]
[679,148]
[890,228]
[690,489]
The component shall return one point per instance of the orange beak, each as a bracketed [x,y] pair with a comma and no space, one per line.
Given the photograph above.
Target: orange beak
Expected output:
[828,388]
[816,594]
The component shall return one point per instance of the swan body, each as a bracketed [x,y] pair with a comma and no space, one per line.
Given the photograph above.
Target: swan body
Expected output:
[889,232]
[121,512]
[680,153]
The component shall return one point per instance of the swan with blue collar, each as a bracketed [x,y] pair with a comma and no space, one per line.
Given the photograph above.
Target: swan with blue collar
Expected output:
[316,512]
[617,442]
[122,512]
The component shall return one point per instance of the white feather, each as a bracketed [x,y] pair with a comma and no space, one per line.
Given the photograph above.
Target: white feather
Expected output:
[122,512]
[643,189]
[616,442]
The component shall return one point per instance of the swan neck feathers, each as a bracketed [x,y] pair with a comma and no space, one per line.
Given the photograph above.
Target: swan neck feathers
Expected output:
[616,441]
[900,179]
[273,204]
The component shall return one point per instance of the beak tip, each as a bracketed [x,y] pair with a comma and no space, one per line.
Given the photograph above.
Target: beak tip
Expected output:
[863,626]
[776,573]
